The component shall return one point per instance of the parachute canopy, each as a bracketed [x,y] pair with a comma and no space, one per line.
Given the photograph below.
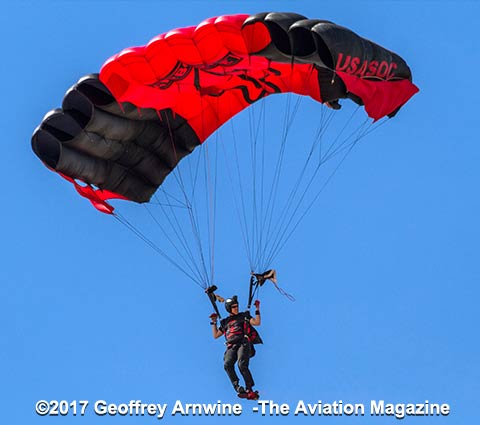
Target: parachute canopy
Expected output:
[125,129]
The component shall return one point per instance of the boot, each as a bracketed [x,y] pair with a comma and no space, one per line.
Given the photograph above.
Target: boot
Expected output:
[240,391]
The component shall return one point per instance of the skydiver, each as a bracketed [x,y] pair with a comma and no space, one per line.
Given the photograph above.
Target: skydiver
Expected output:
[240,337]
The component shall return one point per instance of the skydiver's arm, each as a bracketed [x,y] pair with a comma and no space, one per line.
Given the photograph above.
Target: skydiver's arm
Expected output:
[257,320]
[217,333]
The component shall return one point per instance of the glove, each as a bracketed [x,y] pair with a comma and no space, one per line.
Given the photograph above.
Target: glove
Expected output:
[257,304]
[213,317]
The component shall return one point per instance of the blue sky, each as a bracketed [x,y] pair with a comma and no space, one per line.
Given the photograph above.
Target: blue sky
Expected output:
[384,268]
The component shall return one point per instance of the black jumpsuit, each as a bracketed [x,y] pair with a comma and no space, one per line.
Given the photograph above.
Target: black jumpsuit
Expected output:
[239,348]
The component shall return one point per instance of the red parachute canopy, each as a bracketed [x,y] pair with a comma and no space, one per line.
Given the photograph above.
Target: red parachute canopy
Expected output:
[210,72]
[125,130]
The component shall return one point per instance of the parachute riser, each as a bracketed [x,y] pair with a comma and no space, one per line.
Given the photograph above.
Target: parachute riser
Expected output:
[255,284]
[252,286]
[210,291]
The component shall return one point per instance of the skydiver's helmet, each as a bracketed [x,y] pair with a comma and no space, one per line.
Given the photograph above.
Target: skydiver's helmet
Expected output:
[229,302]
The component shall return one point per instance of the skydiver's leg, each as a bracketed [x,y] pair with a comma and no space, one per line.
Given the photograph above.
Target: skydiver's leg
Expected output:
[243,362]
[229,359]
